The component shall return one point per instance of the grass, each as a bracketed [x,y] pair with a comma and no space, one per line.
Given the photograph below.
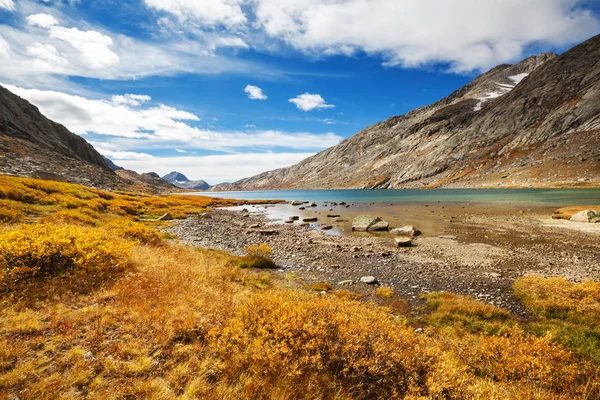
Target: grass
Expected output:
[105,307]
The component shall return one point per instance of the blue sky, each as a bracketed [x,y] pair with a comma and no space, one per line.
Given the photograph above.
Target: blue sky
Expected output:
[224,89]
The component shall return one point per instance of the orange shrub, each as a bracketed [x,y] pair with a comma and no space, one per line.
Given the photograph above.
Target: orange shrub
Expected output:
[11,211]
[323,344]
[135,232]
[49,250]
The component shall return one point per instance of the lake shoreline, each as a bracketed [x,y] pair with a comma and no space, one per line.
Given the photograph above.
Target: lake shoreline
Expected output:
[468,249]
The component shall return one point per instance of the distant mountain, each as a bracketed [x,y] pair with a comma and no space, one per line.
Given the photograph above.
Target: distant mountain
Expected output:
[536,123]
[181,181]
[31,145]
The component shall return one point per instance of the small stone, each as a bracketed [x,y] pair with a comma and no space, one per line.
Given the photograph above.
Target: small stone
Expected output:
[205,216]
[268,233]
[419,330]
[332,215]
[345,283]
[166,217]
[297,203]
[254,226]
[326,227]
[310,219]
[369,280]
[403,242]
[294,218]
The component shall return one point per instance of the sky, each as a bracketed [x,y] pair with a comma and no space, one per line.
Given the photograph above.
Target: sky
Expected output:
[225,89]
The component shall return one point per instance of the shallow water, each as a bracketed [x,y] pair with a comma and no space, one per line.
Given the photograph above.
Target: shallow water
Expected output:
[547,197]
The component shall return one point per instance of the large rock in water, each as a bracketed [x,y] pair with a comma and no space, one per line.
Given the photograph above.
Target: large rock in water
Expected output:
[367,223]
[406,231]
[586,216]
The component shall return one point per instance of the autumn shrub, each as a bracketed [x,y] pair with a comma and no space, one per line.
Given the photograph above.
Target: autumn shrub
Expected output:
[46,250]
[449,309]
[78,217]
[257,256]
[11,211]
[485,366]
[134,231]
[320,345]
[385,292]
[570,311]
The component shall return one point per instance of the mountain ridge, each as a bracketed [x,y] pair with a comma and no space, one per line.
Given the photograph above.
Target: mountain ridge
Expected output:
[502,129]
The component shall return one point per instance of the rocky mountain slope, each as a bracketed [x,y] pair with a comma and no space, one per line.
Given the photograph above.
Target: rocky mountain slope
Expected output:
[536,123]
[181,181]
[31,145]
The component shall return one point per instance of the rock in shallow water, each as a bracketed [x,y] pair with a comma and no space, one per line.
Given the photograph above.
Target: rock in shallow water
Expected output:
[406,231]
[367,223]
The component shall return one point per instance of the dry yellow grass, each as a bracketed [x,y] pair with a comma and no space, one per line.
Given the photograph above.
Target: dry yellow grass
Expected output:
[177,322]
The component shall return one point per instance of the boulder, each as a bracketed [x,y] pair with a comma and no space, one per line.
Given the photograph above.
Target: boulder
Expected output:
[586,216]
[312,205]
[340,220]
[297,203]
[294,218]
[406,231]
[301,208]
[205,216]
[367,223]
[369,280]
[333,215]
[166,217]
[310,219]
[403,242]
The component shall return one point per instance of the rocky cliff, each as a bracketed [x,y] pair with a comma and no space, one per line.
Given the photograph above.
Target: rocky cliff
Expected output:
[535,123]
[32,145]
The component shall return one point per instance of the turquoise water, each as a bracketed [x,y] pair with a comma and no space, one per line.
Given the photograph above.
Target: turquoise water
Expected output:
[550,197]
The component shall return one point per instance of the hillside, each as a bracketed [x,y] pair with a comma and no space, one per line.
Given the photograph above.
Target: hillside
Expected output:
[536,123]
[32,145]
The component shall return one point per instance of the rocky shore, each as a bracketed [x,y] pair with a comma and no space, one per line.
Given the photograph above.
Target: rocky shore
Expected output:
[475,250]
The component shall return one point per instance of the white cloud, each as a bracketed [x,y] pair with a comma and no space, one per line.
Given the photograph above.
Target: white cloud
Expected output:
[7,4]
[210,13]
[46,58]
[469,34]
[42,20]
[130,99]
[309,102]
[4,48]
[158,127]
[93,46]
[215,168]
[255,93]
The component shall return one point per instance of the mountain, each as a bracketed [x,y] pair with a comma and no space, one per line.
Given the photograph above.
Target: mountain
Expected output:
[181,181]
[536,123]
[32,145]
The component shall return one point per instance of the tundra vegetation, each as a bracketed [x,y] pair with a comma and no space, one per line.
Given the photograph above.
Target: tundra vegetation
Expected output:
[97,303]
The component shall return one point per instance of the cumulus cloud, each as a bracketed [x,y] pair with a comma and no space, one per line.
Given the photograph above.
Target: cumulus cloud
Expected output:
[159,126]
[93,46]
[42,20]
[210,13]
[130,99]
[7,4]
[417,32]
[467,34]
[255,93]
[46,58]
[309,102]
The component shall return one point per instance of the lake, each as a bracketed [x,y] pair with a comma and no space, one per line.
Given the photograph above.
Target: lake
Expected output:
[548,197]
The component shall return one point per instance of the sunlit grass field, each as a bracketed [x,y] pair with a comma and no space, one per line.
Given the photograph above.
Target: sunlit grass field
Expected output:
[95,302]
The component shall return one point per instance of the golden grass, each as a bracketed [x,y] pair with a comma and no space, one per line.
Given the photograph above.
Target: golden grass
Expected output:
[168,321]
